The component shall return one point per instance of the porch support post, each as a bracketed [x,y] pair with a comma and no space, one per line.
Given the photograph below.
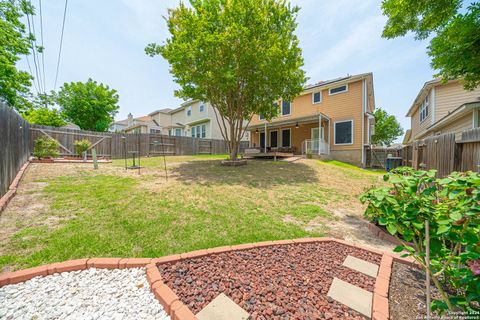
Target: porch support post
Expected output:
[265,139]
[329,124]
[319,134]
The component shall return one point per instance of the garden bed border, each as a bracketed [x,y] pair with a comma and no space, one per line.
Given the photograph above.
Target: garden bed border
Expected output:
[12,189]
[172,303]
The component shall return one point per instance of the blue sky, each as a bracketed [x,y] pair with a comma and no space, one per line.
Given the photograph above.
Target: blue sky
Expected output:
[105,40]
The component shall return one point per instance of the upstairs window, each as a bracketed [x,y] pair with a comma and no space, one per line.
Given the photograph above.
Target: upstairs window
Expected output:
[424,109]
[316,97]
[189,111]
[286,108]
[337,90]
[261,117]
[343,132]
[202,106]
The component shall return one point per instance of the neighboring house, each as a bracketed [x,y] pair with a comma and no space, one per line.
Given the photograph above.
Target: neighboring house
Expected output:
[196,119]
[443,108]
[332,118]
[144,124]
[192,119]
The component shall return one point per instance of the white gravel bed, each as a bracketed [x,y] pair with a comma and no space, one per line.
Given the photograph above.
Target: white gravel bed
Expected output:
[87,294]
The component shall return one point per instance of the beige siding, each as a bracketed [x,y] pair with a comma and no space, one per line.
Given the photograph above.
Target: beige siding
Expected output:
[339,107]
[458,126]
[420,127]
[450,96]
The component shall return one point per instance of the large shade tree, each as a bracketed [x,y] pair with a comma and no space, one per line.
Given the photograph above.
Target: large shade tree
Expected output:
[240,55]
[387,128]
[15,41]
[455,44]
[90,105]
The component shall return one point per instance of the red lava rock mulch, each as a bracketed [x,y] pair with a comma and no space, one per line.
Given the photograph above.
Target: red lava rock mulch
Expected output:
[277,282]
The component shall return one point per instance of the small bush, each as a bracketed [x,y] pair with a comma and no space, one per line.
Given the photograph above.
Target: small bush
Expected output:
[45,148]
[309,154]
[81,146]
[451,206]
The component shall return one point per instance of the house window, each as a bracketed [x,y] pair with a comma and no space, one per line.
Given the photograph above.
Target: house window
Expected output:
[194,130]
[202,106]
[178,132]
[343,132]
[169,132]
[261,117]
[337,90]
[286,137]
[424,109]
[199,133]
[189,111]
[286,108]
[273,139]
[155,131]
[204,130]
[316,97]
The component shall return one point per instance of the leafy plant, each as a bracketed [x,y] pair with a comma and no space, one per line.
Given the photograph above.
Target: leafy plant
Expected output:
[45,148]
[452,208]
[309,154]
[82,146]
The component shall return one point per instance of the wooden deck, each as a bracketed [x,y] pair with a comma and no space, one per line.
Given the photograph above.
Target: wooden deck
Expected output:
[271,154]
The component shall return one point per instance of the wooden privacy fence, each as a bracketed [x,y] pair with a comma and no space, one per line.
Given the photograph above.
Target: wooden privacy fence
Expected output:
[444,154]
[116,145]
[376,157]
[14,145]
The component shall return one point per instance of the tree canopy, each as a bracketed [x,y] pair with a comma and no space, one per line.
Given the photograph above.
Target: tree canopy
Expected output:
[455,46]
[14,42]
[89,105]
[45,116]
[239,55]
[387,128]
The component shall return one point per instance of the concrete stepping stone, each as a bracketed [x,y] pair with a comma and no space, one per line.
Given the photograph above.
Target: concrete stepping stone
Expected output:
[365,267]
[352,296]
[222,308]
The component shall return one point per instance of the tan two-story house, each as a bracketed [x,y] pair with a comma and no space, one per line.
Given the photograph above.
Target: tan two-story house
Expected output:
[332,119]
[443,108]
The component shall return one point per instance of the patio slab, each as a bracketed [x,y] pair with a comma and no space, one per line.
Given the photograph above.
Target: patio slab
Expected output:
[352,296]
[365,267]
[222,308]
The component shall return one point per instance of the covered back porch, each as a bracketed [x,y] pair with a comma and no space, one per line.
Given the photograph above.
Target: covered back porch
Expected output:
[291,137]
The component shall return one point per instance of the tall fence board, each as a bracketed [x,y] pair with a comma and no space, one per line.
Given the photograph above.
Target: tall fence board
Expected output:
[469,158]
[445,154]
[14,145]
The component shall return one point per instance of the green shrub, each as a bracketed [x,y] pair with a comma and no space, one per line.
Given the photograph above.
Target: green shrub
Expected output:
[309,154]
[45,147]
[81,146]
[452,207]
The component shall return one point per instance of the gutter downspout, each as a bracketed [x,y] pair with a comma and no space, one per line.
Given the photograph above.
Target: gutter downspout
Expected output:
[364,106]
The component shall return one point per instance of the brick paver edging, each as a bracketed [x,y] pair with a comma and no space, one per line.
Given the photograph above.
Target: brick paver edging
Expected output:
[172,303]
[12,190]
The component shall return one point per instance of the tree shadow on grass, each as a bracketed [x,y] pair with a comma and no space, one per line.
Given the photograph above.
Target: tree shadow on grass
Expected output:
[257,173]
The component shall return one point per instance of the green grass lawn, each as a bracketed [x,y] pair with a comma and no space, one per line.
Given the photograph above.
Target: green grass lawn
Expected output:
[117,213]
